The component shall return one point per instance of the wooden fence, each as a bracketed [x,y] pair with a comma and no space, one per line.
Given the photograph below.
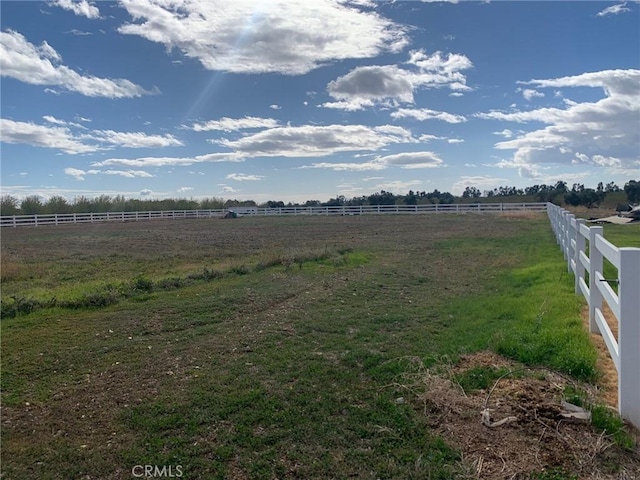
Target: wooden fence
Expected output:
[585,249]
[72,218]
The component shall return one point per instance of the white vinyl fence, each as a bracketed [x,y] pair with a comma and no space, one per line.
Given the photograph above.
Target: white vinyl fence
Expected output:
[71,218]
[573,235]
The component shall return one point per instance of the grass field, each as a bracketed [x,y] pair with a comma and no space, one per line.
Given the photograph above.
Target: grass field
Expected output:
[264,347]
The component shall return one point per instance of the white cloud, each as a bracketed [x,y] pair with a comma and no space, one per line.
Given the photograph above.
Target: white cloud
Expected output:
[398,186]
[317,141]
[348,167]
[607,128]
[391,85]
[134,139]
[56,121]
[241,177]
[407,160]
[227,124]
[29,133]
[149,162]
[184,189]
[614,10]
[455,140]
[78,33]
[79,7]
[28,63]
[74,172]
[506,133]
[62,137]
[227,189]
[146,192]
[412,160]
[426,114]
[275,107]
[530,94]
[291,37]
[80,174]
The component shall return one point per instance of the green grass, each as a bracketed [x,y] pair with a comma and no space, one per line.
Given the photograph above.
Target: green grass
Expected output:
[623,235]
[269,369]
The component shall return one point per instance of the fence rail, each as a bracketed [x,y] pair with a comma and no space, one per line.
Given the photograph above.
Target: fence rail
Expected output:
[585,249]
[73,218]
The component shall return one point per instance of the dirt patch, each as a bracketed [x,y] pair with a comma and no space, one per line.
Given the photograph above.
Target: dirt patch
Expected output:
[536,442]
[609,381]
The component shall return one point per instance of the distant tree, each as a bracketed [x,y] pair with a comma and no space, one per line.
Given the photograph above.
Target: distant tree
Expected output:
[411,198]
[336,202]
[560,187]
[632,189]
[590,198]
[572,198]
[31,205]
[82,204]
[212,203]
[8,205]
[471,192]
[612,188]
[312,203]
[382,198]
[57,204]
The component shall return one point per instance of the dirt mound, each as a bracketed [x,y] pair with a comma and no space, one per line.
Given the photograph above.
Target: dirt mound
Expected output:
[530,436]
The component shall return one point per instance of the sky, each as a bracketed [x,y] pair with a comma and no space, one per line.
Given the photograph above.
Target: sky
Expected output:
[299,100]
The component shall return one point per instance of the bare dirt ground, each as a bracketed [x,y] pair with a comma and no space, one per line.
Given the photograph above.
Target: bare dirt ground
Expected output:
[538,443]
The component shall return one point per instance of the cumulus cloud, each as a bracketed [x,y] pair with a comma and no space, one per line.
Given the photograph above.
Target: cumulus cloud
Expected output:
[81,174]
[40,65]
[607,128]
[393,85]
[62,137]
[295,142]
[398,186]
[412,160]
[291,37]
[184,189]
[133,139]
[426,114]
[506,133]
[317,141]
[227,124]
[529,94]
[79,7]
[241,177]
[407,160]
[56,121]
[43,136]
[614,10]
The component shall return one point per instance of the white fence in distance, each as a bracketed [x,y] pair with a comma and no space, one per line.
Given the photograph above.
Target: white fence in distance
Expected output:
[72,218]
[572,235]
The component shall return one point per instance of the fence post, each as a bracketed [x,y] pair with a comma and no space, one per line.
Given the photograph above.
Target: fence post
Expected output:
[571,235]
[629,335]
[580,247]
[595,265]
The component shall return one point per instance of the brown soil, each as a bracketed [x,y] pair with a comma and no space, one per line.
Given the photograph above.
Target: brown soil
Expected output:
[609,381]
[539,442]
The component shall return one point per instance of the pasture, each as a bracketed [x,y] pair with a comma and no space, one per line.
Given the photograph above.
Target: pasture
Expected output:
[272,347]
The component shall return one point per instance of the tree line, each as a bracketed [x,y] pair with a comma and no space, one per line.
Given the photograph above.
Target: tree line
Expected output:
[558,193]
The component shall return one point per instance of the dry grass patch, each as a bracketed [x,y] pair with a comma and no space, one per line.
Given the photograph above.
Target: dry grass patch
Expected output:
[535,440]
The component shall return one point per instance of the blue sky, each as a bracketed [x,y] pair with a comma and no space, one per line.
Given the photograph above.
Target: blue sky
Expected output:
[299,100]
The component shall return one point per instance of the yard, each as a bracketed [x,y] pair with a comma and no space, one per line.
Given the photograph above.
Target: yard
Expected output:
[287,347]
